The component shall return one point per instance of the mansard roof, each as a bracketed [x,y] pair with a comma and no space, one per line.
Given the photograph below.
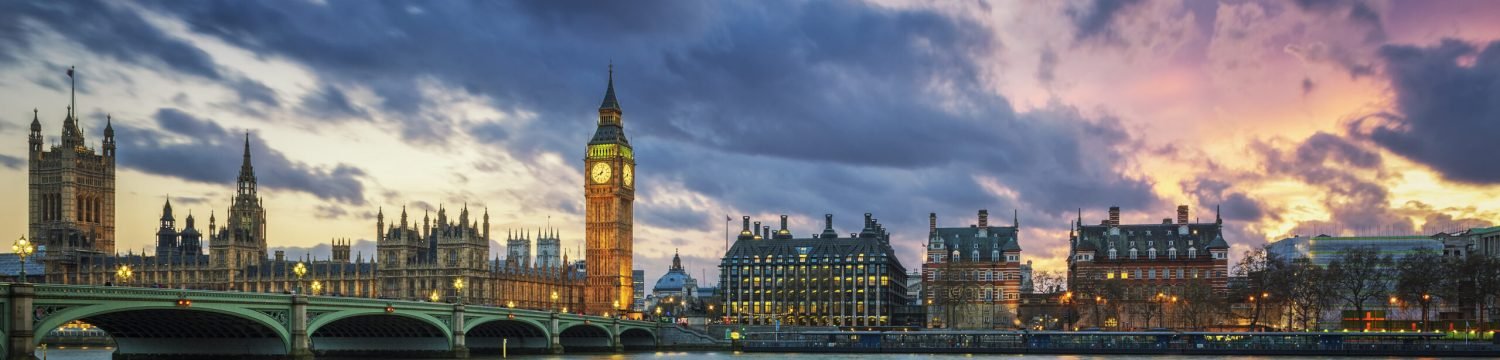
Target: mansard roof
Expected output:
[1146,236]
[969,239]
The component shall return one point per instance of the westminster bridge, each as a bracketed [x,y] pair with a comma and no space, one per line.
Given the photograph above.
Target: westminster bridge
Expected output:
[156,323]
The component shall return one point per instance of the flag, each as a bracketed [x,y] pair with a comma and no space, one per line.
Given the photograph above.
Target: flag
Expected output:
[727,218]
[70,71]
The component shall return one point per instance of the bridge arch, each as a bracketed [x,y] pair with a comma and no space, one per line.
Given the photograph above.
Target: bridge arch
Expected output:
[586,337]
[519,335]
[637,339]
[155,328]
[374,331]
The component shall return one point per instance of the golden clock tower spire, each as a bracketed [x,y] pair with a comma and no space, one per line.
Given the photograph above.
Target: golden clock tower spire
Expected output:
[609,187]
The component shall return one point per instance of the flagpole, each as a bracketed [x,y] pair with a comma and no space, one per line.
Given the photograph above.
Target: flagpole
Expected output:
[726,233]
[73,92]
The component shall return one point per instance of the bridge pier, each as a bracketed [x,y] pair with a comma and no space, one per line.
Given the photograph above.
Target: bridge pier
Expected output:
[614,335]
[20,346]
[554,344]
[301,344]
[460,348]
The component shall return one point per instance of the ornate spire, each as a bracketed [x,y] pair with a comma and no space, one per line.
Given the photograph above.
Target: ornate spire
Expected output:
[676,260]
[609,94]
[36,123]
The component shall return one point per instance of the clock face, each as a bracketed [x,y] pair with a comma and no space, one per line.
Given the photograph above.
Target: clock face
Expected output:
[629,175]
[600,172]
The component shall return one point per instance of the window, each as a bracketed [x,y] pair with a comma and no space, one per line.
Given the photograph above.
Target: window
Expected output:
[1151,253]
[1172,253]
[1192,252]
[1132,254]
[1112,254]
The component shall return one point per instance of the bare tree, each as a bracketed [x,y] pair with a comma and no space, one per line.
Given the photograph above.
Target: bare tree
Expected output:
[1359,275]
[1199,305]
[1048,282]
[1473,279]
[1419,278]
[1310,292]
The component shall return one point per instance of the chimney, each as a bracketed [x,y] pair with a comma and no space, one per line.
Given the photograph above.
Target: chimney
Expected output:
[757,230]
[783,233]
[931,223]
[828,232]
[1166,221]
[767,231]
[280,255]
[984,218]
[1182,214]
[1114,216]
[746,226]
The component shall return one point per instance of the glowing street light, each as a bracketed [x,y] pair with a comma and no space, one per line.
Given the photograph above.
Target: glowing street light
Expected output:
[434,297]
[458,289]
[317,287]
[23,249]
[123,274]
[300,269]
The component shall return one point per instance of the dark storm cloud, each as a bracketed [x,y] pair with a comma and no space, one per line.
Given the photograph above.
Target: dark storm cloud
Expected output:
[1094,21]
[810,85]
[251,91]
[1447,108]
[1329,162]
[1212,191]
[330,103]
[12,162]
[200,150]
[1358,12]
[102,28]
[1046,66]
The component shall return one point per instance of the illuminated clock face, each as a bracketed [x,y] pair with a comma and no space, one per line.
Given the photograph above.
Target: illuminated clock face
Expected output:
[629,175]
[599,172]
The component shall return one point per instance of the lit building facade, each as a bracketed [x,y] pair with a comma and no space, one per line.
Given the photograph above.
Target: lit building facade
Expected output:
[769,277]
[71,195]
[972,277]
[609,168]
[1143,260]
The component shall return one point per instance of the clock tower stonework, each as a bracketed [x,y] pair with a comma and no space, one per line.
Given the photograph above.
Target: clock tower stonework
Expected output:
[609,186]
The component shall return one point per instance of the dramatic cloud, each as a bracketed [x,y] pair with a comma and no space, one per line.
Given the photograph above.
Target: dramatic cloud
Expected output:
[1355,11]
[1094,21]
[1447,102]
[200,150]
[104,28]
[14,163]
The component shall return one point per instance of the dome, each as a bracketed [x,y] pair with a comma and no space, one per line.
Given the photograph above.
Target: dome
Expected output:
[673,281]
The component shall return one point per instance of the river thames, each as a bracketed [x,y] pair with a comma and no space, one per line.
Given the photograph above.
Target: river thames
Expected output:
[695,355]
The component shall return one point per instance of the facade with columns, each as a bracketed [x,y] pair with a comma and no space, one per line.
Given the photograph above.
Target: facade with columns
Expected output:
[771,277]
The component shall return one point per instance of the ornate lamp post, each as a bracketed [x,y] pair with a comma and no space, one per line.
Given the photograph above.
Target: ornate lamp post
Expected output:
[300,269]
[554,300]
[617,308]
[434,297]
[123,274]
[317,287]
[458,289]
[23,249]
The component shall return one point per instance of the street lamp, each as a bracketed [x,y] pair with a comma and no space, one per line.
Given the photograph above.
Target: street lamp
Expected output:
[317,287]
[434,296]
[458,289]
[300,269]
[23,249]
[554,300]
[123,274]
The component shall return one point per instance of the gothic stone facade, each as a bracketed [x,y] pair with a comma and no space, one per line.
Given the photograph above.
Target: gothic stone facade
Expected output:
[609,185]
[71,191]
[824,280]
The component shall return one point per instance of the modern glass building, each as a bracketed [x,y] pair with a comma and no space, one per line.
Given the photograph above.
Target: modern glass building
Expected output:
[1323,249]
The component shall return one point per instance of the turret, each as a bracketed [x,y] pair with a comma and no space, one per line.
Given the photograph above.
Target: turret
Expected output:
[380,224]
[745,233]
[35,139]
[109,136]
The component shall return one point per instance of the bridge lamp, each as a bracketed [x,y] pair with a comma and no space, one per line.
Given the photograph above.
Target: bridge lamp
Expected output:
[510,304]
[183,301]
[317,287]
[123,274]
[299,270]
[434,297]
[458,288]
[23,249]
[389,309]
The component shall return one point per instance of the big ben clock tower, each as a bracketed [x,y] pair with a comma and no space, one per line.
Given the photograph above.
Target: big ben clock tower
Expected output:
[609,186]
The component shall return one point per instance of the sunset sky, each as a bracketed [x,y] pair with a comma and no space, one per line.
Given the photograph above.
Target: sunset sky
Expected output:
[1351,117]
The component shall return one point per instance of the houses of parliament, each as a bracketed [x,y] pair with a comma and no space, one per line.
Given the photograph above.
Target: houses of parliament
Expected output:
[442,257]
